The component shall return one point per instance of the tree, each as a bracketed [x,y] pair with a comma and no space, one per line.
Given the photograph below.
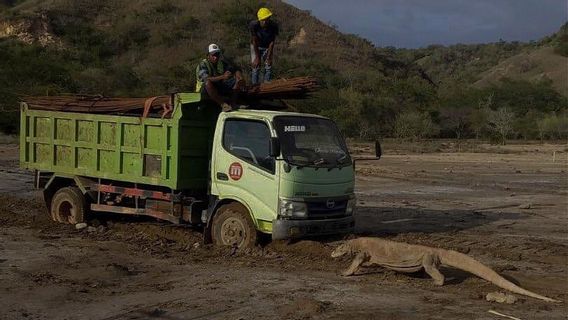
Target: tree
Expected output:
[542,126]
[478,121]
[456,120]
[348,111]
[561,45]
[414,125]
[501,121]
[553,126]
[478,116]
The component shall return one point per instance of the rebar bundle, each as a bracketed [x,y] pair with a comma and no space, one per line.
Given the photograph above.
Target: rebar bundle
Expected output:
[161,106]
[293,88]
[100,104]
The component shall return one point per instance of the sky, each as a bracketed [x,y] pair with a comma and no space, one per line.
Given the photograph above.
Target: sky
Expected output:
[419,23]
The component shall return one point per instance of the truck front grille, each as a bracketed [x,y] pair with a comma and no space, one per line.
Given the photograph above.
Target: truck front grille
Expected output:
[326,208]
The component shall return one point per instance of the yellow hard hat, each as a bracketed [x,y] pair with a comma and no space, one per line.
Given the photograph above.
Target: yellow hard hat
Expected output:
[263,14]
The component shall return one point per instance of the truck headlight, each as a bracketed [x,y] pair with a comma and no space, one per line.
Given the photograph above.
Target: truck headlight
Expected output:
[293,209]
[350,206]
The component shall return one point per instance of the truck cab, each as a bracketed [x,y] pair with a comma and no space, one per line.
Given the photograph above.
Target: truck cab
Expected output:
[290,172]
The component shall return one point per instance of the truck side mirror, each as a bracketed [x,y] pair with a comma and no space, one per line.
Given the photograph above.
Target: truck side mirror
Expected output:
[274,147]
[378,149]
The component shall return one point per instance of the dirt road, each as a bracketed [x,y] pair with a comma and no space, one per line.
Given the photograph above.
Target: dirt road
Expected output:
[507,208]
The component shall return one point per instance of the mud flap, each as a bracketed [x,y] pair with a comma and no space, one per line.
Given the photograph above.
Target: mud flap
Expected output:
[207,219]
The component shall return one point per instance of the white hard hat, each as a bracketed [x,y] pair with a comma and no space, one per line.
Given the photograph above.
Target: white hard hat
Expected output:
[213,48]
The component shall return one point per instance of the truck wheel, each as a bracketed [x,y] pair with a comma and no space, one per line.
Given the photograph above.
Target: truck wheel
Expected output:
[232,226]
[68,206]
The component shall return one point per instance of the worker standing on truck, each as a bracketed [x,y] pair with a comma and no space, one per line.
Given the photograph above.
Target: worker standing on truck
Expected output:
[217,78]
[263,34]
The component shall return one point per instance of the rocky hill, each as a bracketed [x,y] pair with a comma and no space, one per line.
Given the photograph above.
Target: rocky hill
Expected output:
[156,38]
[149,47]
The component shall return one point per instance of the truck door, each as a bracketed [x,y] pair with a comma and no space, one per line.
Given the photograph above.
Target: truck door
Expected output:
[244,169]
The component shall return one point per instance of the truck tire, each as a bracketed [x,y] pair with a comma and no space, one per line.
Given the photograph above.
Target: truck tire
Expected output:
[232,226]
[68,206]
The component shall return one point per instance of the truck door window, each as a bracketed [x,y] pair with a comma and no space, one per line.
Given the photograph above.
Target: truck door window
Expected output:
[249,140]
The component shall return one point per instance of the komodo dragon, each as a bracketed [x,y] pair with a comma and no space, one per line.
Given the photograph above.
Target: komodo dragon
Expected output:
[404,257]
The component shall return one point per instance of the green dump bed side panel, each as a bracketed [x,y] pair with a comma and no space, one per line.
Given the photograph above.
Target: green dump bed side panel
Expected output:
[166,152]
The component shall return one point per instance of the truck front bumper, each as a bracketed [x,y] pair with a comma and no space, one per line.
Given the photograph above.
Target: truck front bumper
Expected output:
[292,229]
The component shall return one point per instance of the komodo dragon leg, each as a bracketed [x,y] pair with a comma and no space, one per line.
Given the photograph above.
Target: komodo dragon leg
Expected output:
[359,259]
[431,263]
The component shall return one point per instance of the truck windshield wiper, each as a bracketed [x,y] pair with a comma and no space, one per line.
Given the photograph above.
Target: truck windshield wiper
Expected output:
[297,164]
[316,163]
[339,161]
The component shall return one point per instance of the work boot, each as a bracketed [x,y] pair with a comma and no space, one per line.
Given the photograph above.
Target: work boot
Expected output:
[226,107]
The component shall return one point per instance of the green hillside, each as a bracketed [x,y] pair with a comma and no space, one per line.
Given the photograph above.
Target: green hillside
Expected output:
[537,65]
[464,63]
[546,62]
[149,47]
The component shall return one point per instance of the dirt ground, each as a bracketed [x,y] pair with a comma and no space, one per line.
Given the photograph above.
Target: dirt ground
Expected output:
[505,206]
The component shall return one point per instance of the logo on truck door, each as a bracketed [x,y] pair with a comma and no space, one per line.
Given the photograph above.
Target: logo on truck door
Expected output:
[235,171]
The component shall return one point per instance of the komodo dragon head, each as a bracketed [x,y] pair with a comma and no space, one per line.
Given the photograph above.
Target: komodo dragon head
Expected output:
[342,250]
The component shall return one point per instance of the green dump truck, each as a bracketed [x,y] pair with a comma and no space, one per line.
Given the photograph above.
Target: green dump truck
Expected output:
[234,173]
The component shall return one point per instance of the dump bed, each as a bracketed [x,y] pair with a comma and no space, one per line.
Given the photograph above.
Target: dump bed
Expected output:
[169,147]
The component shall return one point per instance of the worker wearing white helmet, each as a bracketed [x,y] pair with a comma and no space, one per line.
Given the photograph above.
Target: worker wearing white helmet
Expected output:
[263,34]
[216,78]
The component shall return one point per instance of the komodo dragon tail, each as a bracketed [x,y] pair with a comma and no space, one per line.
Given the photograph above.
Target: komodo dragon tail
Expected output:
[466,263]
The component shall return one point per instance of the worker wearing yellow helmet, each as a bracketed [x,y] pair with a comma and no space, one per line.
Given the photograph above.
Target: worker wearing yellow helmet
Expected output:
[263,34]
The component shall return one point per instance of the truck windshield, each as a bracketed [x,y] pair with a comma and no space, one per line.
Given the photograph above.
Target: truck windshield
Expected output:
[311,142]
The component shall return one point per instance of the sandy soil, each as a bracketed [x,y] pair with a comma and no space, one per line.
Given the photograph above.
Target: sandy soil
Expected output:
[506,207]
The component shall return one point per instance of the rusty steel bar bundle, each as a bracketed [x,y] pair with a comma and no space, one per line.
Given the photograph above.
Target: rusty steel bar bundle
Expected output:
[293,88]
[100,104]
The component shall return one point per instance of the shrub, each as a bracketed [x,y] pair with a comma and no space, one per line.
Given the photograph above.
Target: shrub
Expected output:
[501,122]
[414,125]
[553,126]
[235,17]
[129,36]
[561,43]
